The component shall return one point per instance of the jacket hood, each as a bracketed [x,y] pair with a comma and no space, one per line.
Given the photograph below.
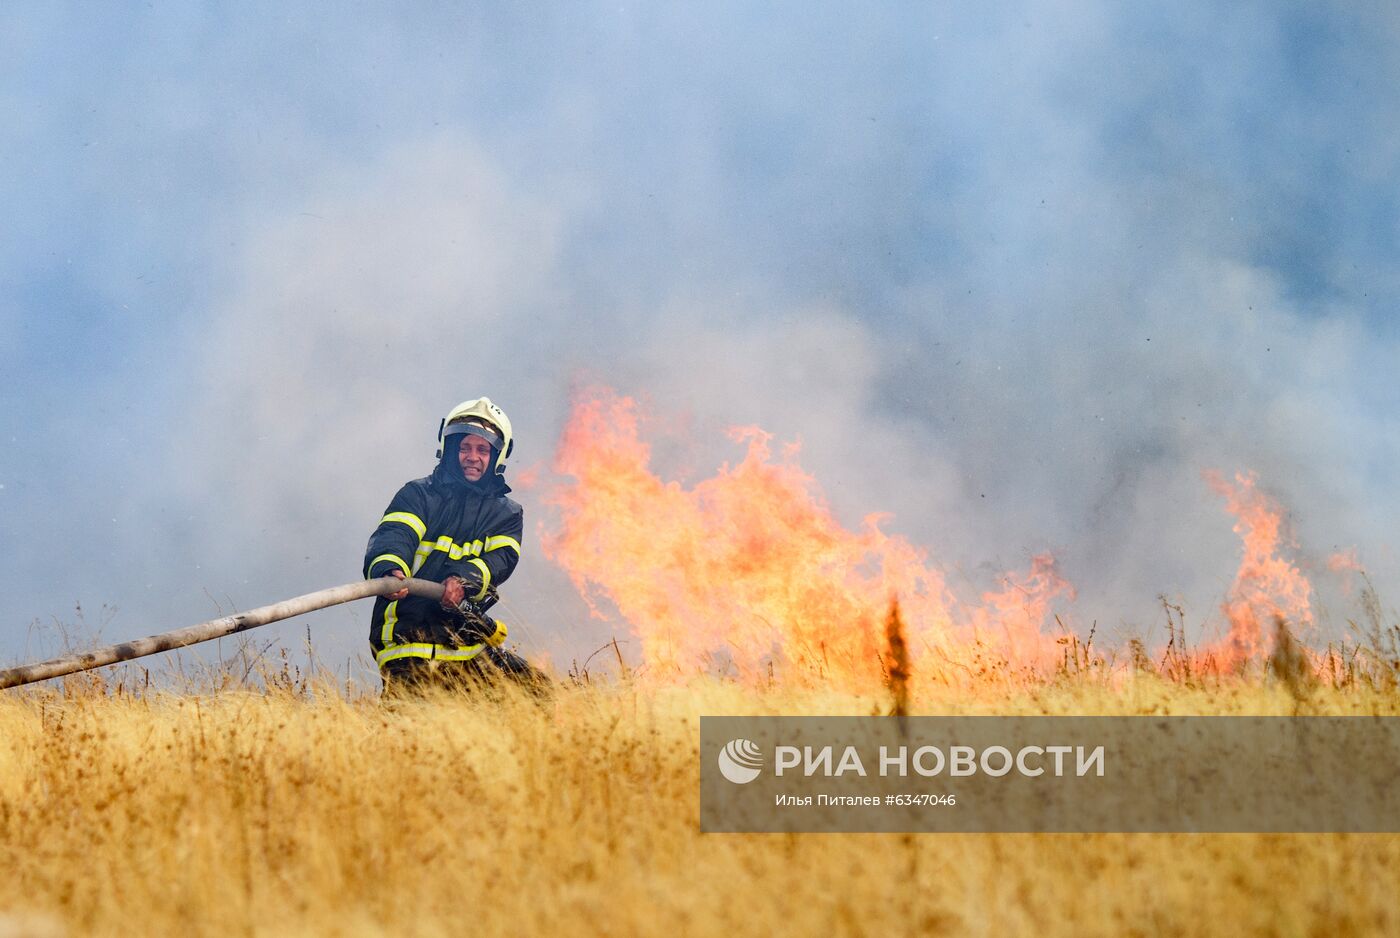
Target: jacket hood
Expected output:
[448,473]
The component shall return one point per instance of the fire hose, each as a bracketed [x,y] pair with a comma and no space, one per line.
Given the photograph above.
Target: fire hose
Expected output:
[216,628]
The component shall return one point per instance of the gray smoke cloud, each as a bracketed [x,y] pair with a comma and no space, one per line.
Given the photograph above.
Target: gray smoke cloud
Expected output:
[1015,277]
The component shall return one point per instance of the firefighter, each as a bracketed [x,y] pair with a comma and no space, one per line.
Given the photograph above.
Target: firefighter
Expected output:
[456,527]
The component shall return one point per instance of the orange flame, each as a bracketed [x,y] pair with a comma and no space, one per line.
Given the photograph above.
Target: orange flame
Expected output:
[1266,585]
[751,566]
[1017,612]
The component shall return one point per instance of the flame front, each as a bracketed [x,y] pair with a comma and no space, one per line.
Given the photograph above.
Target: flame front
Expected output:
[1267,587]
[751,566]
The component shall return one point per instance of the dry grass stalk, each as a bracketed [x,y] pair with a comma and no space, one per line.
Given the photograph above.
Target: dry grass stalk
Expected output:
[897,671]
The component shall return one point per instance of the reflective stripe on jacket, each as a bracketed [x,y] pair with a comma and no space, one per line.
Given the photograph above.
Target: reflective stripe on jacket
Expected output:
[437,527]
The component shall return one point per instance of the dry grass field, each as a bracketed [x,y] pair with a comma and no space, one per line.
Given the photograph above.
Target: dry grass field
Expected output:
[311,809]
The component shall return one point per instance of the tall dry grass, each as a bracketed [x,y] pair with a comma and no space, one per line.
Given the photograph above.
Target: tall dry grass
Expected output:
[309,809]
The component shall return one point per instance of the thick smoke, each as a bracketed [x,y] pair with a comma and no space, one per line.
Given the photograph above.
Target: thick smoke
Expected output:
[1017,279]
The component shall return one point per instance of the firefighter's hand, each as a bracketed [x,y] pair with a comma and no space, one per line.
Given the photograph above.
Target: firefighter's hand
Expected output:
[401,594]
[454,590]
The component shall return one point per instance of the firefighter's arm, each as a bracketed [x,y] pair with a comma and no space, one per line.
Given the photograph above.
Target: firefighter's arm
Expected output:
[499,554]
[394,543]
[397,574]
[469,617]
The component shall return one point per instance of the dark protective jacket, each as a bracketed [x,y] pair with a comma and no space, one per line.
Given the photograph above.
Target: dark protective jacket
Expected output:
[437,527]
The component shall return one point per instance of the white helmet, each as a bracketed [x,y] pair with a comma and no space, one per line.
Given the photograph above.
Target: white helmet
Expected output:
[480,418]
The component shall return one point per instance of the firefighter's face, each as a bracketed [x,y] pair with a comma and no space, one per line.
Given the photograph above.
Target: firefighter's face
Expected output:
[474,456]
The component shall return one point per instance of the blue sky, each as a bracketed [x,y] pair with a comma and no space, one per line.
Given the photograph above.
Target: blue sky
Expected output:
[1053,260]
